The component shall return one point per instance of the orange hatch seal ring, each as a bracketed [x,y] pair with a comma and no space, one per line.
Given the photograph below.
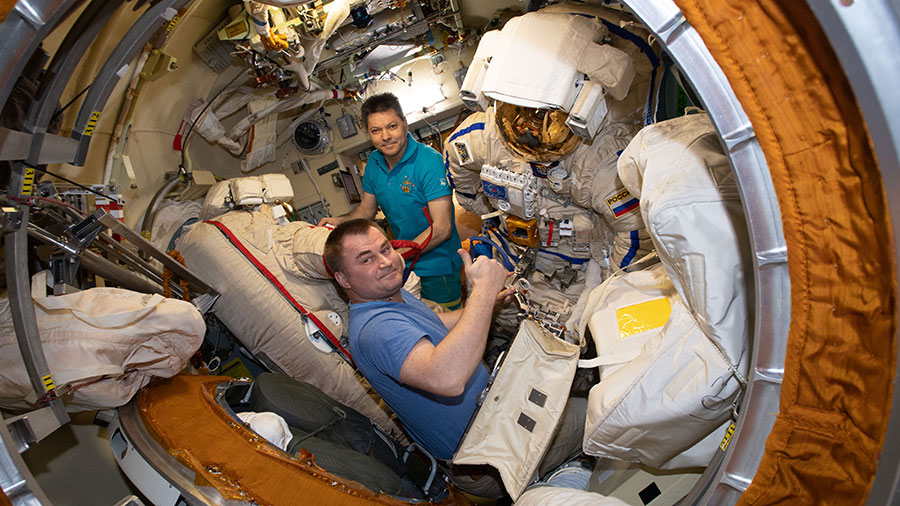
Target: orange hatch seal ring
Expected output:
[181,413]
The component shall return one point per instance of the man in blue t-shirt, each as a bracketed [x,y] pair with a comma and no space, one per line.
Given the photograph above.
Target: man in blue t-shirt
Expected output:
[425,365]
[404,177]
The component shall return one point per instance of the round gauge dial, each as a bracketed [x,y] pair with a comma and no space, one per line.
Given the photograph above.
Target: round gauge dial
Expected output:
[311,137]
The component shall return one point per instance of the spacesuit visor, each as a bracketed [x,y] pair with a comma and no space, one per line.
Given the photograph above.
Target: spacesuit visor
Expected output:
[538,135]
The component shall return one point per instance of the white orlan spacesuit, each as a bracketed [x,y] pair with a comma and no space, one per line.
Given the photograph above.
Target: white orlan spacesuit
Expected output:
[521,155]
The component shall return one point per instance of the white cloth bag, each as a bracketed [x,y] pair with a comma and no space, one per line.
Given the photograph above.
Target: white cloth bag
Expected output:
[118,337]
[664,386]
[514,425]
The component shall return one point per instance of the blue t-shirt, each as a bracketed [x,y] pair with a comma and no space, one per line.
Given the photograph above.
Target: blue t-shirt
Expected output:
[415,180]
[382,333]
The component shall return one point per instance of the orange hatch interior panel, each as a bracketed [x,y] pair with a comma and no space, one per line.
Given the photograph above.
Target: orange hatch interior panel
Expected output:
[182,414]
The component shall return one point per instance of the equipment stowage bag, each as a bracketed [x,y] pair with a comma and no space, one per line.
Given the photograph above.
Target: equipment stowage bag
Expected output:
[516,422]
[664,387]
[105,343]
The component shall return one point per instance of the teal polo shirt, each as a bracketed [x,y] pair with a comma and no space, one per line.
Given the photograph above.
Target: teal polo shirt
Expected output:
[403,191]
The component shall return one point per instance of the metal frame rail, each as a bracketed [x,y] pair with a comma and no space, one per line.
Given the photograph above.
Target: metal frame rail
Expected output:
[113,68]
[23,29]
[729,474]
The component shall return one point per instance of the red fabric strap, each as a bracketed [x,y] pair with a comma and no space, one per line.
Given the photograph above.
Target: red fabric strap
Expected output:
[415,249]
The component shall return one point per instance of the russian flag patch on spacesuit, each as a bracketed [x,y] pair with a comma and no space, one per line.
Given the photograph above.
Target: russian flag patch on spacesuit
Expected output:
[622,203]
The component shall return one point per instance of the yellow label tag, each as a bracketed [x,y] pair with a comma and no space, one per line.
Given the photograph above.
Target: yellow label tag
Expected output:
[92,123]
[642,317]
[27,181]
[727,439]
[48,382]
[236,30]
[172,24]
[235,369]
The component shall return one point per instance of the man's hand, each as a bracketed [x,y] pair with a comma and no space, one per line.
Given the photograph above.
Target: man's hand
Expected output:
[485,274]
[366,209]
[331,220]
[445,369]
[505,296]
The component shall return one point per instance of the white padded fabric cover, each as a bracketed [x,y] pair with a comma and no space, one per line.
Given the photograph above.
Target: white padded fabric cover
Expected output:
[690,203]
[277,187]
[554,496]
[661,391]
[538,52]
[246,191]
[532,386]
[661,406]
[260,316]
[111,340]
[216,201]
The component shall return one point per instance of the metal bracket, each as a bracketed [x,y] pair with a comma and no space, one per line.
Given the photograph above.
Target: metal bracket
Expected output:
[85,231]
[10,219]
[13,144]
[32,427]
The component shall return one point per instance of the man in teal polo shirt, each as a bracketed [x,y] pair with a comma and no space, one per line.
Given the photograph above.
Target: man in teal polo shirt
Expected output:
[404,177]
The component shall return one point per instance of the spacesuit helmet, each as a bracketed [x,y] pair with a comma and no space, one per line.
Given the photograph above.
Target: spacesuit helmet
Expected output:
[538,135]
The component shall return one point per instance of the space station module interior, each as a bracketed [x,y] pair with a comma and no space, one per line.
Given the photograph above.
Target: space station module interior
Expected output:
[626,237]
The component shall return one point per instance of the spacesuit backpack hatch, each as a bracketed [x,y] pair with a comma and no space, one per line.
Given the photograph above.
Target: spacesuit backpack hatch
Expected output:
[561,93]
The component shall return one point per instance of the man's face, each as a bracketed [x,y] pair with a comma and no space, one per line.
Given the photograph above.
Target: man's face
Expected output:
[372,269]
[388,133]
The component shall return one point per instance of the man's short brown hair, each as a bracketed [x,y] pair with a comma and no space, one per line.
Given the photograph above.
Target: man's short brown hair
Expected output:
[334,245]
[380,103]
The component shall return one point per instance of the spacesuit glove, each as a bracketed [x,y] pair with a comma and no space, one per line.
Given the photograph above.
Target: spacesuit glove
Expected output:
[275,42]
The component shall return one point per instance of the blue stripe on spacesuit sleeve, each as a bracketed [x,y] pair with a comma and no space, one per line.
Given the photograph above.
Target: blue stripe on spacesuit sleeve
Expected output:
[637,41]
[447,170]
[632,251]
[464,131]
